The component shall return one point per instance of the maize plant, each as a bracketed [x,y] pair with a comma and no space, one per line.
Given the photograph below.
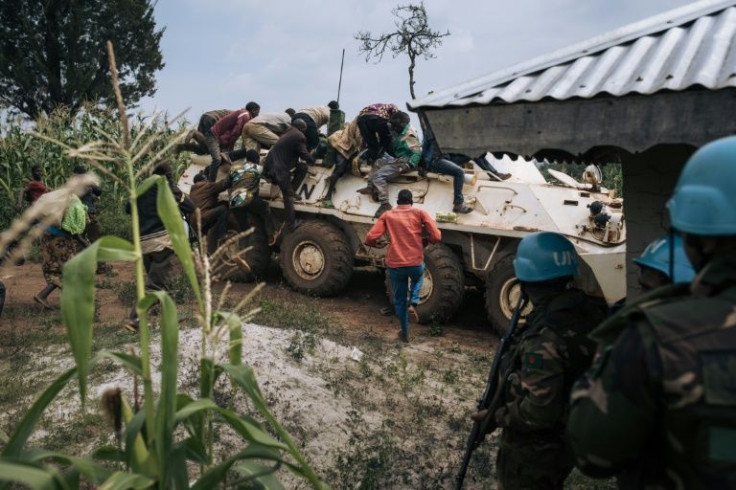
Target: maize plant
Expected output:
[166,442]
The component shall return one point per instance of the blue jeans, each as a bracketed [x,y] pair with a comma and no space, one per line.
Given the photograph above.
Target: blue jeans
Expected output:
[446,167]
[400,278]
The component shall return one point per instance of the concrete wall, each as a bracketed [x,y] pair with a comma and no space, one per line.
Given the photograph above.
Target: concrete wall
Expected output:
[649,179]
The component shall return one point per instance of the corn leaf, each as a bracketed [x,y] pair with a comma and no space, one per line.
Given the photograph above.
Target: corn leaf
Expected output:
[264,475]
[93,471]
[32,476]
[169,366]
[216,475]
[194,450]
[194,424]
[130,361]
[193,408]
[249,430]
[244,377]
[235,326]
[245,426]
[126,481]
[208,374]
[26,426]
[147,184]
[168,211]
[78,298]
[136,453]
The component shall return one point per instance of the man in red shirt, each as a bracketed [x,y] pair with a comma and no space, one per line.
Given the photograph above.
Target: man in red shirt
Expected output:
[216,134]
[34,189]
[405,256]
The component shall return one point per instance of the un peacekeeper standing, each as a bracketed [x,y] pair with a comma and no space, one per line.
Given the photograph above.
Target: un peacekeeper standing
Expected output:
[549,352]
[658,406]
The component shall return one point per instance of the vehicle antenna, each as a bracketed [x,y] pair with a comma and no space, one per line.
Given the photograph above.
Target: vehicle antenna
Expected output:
[339,85]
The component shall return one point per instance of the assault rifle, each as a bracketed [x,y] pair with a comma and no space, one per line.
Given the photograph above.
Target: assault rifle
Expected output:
[491,395]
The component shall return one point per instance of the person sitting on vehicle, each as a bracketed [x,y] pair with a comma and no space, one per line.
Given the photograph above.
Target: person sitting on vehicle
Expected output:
[244,194]
[282,159]
[346,142]
[437,164]
[265,130]
[373,124]
[484,164]
[315,117]
[407,151]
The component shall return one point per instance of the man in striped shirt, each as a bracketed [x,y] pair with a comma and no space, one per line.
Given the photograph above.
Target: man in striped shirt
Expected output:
[405,226]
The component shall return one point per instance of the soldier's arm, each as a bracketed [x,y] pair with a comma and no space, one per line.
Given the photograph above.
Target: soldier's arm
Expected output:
[539,399]
[613,409]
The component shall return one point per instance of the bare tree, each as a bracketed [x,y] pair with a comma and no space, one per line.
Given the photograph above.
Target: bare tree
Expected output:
[412,36]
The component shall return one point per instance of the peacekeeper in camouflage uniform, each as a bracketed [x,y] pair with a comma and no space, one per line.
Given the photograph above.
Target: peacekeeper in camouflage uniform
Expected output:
[658,406]
[549,353]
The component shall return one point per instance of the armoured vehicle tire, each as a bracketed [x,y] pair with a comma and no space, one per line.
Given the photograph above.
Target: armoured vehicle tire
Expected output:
[443,286]
[257,257]
[316,258]
[502,294]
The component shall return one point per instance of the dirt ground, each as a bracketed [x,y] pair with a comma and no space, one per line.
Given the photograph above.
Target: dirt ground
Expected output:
[366,410]
[356,310]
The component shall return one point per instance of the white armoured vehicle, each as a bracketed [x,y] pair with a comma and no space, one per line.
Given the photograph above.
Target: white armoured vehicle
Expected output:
[477,249]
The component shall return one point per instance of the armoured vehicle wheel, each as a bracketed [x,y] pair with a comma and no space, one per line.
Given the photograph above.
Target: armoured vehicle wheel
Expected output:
[316,258]
[257,257]
[442,287]
[502,295]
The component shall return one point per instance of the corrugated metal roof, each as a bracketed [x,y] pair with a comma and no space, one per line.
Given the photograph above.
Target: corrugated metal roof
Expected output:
[691,45]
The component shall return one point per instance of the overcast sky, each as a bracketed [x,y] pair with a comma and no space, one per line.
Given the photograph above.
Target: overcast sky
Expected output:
[220,54]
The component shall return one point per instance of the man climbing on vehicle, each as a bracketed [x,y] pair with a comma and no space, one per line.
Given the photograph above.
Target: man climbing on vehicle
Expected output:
[405,227]
[408,153]
[282,159]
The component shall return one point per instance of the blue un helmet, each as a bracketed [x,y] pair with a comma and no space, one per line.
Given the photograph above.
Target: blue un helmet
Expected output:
[544,256]
[657,257]
[704,200]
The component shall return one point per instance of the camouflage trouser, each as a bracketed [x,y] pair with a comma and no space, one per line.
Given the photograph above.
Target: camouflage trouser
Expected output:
[532,462]
[55,251]
[385,173]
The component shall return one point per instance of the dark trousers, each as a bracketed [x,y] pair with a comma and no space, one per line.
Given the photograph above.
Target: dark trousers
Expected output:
[258,207]
[280,176]
[216,217]
[341,167]
[205,128]
[312,133]
[212,144]
[376,134]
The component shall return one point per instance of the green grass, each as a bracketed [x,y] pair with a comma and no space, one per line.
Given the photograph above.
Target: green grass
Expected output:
[282,314]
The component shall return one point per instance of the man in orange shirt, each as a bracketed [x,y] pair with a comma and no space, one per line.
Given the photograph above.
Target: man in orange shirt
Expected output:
[405,256]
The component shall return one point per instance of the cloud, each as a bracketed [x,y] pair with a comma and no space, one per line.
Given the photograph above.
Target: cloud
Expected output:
[219,54]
